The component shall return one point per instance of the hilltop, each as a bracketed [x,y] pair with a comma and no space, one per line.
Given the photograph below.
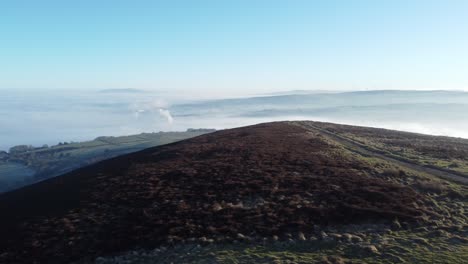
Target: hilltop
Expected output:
[303,191]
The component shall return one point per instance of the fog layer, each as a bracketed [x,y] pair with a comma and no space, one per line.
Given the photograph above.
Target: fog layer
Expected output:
[42,117]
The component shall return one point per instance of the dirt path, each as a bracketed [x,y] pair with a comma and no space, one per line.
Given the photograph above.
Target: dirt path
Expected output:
[361,149]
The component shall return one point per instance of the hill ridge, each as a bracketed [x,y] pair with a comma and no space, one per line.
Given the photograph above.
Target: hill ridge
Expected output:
[258,181]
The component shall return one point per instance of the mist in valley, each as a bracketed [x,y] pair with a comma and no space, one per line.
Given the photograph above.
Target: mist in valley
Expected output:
[49,117]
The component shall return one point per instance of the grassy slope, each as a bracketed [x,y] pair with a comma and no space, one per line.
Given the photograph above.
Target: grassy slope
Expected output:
[441,152]
[441,240]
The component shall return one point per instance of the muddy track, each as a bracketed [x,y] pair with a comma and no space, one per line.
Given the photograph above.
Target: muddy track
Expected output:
[363,150]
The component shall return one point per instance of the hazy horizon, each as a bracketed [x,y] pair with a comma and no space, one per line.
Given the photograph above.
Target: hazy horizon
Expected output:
[38,118]
[57,56]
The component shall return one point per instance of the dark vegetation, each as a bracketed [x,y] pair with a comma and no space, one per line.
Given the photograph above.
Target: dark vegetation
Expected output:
[261,185]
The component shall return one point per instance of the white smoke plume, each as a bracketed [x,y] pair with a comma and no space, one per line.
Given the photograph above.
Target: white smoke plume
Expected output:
[166,114]
[154,106]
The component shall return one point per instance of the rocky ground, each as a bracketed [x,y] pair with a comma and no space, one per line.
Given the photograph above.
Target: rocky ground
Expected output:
[279,192]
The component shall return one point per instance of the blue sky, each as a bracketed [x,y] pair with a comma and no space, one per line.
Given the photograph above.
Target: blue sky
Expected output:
[225,46]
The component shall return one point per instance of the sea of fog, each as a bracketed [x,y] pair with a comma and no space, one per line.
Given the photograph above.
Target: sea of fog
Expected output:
[37,117]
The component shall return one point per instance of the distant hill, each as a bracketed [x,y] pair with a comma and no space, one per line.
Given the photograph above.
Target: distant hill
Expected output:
[359,98]
[123,90]
[304,192]
[281,93]
[430,112]
[26,164]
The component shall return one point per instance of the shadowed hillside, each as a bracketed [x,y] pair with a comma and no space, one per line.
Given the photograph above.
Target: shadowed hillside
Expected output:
[24,164]
[268,182]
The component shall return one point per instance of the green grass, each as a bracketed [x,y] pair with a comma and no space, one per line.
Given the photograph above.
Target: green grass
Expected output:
[399,247]
[407,153]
